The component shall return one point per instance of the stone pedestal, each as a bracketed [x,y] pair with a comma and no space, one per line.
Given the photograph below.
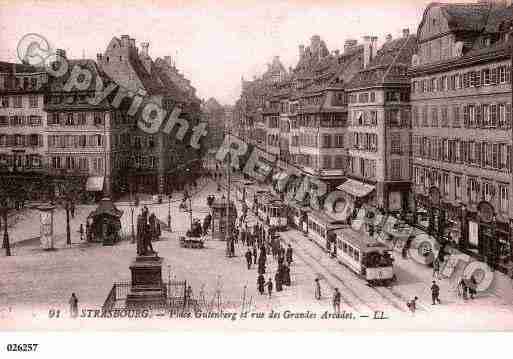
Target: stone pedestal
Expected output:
[147,289]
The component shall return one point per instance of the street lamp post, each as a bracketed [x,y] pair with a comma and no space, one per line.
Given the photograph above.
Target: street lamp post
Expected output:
[68,231]
[169,214]
[6,243]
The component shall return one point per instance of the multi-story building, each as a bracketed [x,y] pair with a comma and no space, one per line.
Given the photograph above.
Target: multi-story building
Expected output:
[379,127]
[215,114]
[80,134]
[305,115]
[22,119]
[461,127]
[49,124]
[150,162]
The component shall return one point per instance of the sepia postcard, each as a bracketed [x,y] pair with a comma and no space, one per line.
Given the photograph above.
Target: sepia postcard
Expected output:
[256,165]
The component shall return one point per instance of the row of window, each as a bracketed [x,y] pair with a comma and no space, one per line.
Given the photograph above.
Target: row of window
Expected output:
[75,141]
[451,187]
[333,141]
[76,118]
[94,165]
[362,167]
[18,140]
[365,141]
[483,154]
[17,101]
[21,161]
[125,139]
[11,82]
[484,77]
[333,162]
[21,121]
[137,161]
[485,115]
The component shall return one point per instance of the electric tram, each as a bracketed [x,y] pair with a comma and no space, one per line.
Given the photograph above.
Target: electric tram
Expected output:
[271,210]
[320,228]
[365,256]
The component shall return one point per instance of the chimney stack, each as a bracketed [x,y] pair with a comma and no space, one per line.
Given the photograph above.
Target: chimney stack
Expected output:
[301,51]
[368,49]
[125,41]
[144,48]
[61,53]
[406,32]
[168,60]
[388,37]
[349,44]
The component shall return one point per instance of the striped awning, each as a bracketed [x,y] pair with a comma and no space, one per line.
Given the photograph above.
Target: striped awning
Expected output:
[95,184]
[356,188]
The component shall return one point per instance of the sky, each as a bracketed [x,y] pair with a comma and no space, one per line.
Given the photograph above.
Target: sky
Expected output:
[214,43]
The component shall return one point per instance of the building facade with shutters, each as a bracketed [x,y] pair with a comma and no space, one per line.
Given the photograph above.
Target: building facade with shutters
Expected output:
[462,128]
[379,125]
[79,133]
[23,146]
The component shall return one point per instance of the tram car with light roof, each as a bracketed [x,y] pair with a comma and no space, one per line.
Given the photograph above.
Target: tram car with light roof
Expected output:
[271,210]
[320,228]
[365,256]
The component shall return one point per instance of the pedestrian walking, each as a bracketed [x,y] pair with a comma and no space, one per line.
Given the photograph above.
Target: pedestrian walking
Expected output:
[249,258]
[336,301]
[463,289]
[286,275]
[73,306]
[435,293]
[317,289]
[278,281]
[81,231]
[436,268]
[188,296]
[260,284]
[72,208]
[288,255]
[270,287]
[232,247]
[472,290]
[412,305]
[255,254]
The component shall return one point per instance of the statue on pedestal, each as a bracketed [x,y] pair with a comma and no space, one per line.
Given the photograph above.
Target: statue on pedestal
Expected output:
[144,246]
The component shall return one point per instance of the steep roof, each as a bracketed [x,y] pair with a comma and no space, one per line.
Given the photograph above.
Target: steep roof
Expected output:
[467,17]
[150,81]
[390,64]
[56,85]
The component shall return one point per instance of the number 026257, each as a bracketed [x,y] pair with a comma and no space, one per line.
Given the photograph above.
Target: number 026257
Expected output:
[22,347]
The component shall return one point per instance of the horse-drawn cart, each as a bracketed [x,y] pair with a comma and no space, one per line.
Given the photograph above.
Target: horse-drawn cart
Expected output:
[191,242]
[193,238]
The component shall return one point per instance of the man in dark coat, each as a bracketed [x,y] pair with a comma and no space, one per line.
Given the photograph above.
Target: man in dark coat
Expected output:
[255,254]
[435,293]
[263,251]
[232,247]
[288,255]
[270,287]
[260,283]
[286,275]
[261,268]
[249,258]
[277,280]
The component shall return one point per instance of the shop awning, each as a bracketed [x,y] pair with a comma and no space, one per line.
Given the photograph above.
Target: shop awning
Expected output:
[95,184]
[356,188]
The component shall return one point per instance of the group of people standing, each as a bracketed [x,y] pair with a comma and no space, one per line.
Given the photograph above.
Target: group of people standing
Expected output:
[259,246]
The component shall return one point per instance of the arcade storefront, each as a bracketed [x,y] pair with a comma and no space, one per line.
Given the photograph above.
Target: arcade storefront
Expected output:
[477,231]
